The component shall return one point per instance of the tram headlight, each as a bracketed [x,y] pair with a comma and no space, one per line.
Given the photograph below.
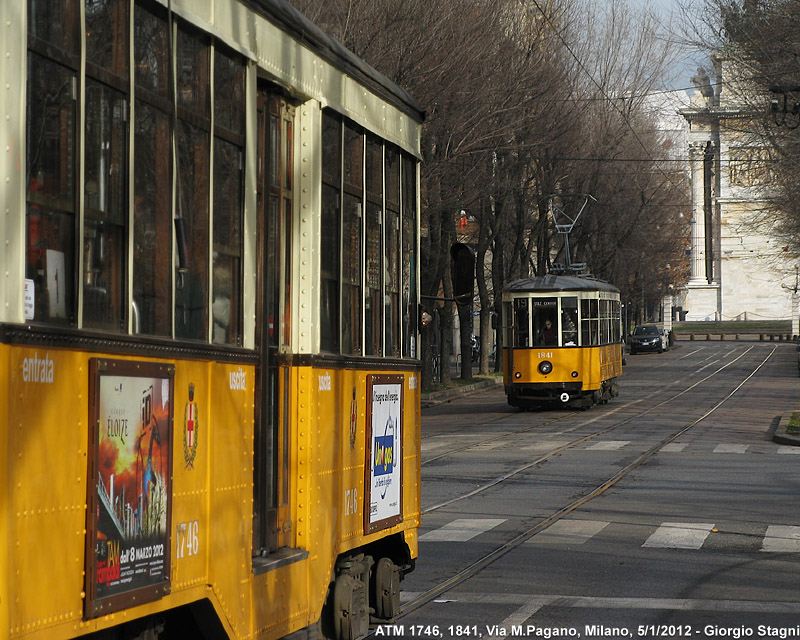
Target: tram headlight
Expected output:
[545,367]
[574,374]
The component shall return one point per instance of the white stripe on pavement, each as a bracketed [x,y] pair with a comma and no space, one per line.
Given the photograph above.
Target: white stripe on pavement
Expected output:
[674,447]
[608,445]
[569,532]
[461,530]
[679,535]
[731,448]
[781,539]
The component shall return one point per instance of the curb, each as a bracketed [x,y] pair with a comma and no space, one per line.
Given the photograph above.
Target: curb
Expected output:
[781,437]
[445,395]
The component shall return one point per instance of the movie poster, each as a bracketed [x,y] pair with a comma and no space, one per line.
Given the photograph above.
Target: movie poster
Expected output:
[384,459]
[131,489]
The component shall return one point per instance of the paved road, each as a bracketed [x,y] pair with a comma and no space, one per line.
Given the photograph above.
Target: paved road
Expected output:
[669,512]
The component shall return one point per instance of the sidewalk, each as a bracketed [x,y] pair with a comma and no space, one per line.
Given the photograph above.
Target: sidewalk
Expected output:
[781,437]
[432,398]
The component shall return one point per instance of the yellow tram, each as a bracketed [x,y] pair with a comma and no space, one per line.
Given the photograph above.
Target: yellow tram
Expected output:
[208,324]
[562,342]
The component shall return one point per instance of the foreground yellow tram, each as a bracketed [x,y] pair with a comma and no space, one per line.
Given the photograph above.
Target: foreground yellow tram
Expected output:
[209,385]
[562,341]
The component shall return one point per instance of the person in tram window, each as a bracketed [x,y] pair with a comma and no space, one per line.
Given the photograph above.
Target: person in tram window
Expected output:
[548,334]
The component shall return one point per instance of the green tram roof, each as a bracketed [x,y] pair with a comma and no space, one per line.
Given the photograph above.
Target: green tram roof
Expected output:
[554,283]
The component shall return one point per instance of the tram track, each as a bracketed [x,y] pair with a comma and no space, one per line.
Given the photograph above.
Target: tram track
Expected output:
[494,555]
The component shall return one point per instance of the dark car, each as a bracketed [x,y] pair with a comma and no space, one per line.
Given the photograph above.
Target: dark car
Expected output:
[648,337]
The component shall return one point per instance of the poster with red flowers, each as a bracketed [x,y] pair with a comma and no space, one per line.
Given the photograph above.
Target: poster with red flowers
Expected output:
[130,484]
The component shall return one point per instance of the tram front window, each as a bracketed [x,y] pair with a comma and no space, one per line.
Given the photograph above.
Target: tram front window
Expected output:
[545,322]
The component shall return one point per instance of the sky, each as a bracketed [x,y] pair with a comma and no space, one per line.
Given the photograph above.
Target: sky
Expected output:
[687,65]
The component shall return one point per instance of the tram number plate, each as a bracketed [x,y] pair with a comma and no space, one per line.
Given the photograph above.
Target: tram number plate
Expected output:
[545,354]
[188,542]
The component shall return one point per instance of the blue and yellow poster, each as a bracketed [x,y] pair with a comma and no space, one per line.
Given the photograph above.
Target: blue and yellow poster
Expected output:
[385,452]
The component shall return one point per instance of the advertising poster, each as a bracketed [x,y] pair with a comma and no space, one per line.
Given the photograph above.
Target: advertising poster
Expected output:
[128,539]
[384,477]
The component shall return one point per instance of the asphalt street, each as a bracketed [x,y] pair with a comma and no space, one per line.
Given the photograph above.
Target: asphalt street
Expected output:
[669,512]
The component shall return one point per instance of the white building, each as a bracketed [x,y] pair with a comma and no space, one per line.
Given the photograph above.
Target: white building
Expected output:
[739,271]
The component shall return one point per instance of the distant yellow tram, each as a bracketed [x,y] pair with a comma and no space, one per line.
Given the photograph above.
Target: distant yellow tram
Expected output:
[562,341]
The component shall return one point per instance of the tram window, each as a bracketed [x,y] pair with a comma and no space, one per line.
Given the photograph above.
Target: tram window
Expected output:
[191,300]
[51,196]
[351,240]
[545,321]
[193,174]
[331,219]
[55,22]
[409,208]
[393,252]
[569,322]
[150,53]
[228,181]
[227,243]
[391,300]
[105,190]
[106,35]
[152,225]
[373,307]
[152,169]
[521,323]
[590,323]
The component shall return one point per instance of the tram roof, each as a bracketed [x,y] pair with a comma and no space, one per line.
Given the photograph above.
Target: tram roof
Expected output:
[552,282]
[295,23]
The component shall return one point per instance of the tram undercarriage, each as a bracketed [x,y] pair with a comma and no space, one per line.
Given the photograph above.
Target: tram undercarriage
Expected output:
[564,394]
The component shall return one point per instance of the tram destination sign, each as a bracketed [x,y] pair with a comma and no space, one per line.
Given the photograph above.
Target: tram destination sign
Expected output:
[384,456]
[130,484]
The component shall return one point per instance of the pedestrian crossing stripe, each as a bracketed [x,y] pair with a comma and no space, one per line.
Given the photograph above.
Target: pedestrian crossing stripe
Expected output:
[461,530]
[679,535]
[572,532]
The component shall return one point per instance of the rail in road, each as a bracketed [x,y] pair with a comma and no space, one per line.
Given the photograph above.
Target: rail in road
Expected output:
[654,395]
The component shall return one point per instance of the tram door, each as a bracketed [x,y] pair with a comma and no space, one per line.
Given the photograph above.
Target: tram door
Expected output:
[272,525]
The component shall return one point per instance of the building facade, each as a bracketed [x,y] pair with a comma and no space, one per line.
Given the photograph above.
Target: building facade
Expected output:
[739,270]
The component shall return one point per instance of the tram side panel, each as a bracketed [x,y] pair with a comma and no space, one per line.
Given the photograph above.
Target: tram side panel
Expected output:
[346,426]
[45,484]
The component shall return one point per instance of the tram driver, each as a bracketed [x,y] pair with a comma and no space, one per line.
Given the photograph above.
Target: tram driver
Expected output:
[548,335]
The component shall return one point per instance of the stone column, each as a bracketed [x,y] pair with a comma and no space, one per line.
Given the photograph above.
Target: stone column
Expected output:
[698,268]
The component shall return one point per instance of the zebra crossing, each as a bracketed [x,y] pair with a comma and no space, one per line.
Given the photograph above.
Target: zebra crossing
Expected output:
[570,532]
[696,447]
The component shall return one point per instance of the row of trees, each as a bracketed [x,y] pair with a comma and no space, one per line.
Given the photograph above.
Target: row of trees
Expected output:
[531,104]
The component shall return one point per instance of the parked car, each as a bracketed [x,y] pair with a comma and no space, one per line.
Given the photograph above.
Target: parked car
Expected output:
[648,337]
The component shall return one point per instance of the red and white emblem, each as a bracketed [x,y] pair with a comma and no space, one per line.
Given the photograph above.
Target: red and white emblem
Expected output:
[190,431]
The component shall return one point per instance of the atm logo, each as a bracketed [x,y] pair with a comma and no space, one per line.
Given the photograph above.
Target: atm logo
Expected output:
[36,369]
[384,455]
